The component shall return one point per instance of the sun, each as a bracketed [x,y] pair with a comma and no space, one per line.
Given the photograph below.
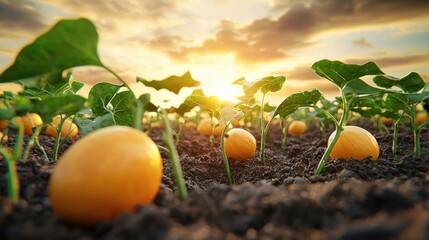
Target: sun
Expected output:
[224,92]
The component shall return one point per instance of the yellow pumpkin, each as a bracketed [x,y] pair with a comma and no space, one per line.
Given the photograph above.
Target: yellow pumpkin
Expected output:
[422,117]
[354,142]
[105,174]
[68,129]
[1,137]
[28,121]
[240,144]
[205,127]
[297,128]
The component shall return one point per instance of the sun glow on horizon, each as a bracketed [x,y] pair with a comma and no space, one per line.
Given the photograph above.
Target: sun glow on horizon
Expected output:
[224,92]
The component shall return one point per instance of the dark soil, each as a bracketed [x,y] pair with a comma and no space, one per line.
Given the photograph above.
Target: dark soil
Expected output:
[383,199]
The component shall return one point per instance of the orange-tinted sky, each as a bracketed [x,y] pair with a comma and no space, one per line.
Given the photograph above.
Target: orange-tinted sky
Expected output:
[222,40]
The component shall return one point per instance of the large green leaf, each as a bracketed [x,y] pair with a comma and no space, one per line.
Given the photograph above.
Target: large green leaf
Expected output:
[69,43]
[411,83]
[50,84]
[123,108]
[197,98]
[50,107]
[395,102]
[297,100]
[266,84]
[359,87]
[340,73]
[172,83]
[88,125]
[147,104]
[367,106]
[100,96]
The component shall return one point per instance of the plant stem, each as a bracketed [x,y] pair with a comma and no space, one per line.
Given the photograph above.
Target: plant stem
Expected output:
[138,115]
[263,140]
[395,138]
[417,139]
[338,129]
[31,142]
[225,157]
[12,176]
[174,157]
[17,149]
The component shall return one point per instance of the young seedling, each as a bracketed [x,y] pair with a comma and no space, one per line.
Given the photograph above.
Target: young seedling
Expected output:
[347,78]
[265,85]
[414,91]
[228,115]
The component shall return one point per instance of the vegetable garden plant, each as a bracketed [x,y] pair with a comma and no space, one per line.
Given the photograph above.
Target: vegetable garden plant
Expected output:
[105,161]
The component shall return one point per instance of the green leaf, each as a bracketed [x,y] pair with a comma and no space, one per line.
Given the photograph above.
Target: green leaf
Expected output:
[100,96]
[367,106]
[395,102]
[50,84]
[359,87]
[50,107]
[69,43]
[340,73]
[123,108]
[297,100]
[239,81]
[411,83]
[182,109]
[172,83]
[147,104]
[86,125]
[197,98]
[266,84]
[268,107]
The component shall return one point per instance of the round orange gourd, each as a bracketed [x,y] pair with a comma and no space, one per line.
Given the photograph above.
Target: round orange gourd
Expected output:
[297,128]
[1,136]
[205,127]
[422,117]
[68,129]
[354,142]
[28,121]
[104,174]
[386,119]
[240,144]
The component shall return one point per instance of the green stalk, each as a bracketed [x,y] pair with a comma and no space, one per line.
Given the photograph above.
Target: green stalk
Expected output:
[338,129]
[174,157]
[395,138]
[31,142]
[225,157]
[263,140]
[17,149]
[417,139]
[213,129]
[57,141]
[12,181]
[138,115]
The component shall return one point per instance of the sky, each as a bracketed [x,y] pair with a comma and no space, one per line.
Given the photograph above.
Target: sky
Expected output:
[219,41]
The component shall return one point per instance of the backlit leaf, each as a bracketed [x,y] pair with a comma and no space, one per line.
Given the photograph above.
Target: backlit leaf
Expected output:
[297,100]
[172,83]
[340,73]
[411,83]
[69,43]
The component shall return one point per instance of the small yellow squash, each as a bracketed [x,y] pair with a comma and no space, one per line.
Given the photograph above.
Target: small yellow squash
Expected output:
[354,142]
[240,144]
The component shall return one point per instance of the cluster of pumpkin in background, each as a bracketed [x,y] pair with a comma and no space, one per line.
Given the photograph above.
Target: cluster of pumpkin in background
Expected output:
[240,144]
[32,120]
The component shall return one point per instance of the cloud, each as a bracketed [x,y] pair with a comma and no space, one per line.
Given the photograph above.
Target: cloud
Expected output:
[395,61]
[269,39]
[362,42]
[19,16]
